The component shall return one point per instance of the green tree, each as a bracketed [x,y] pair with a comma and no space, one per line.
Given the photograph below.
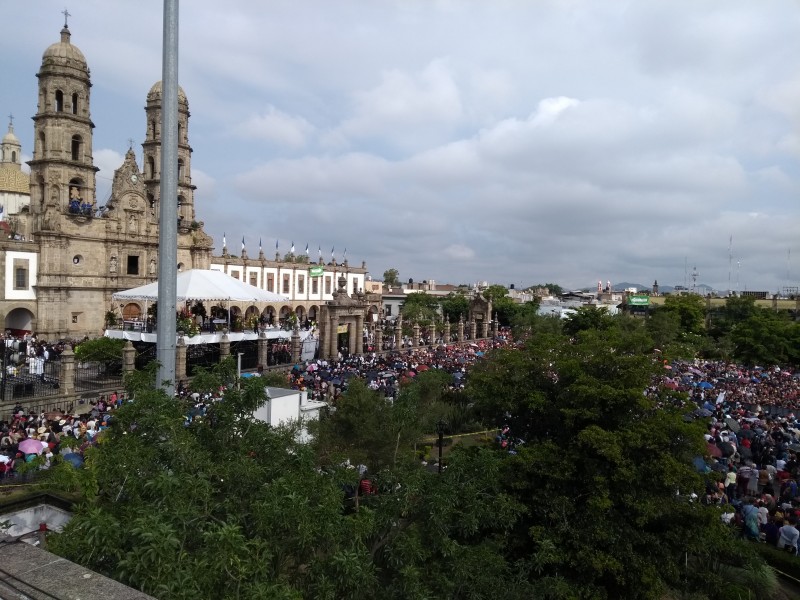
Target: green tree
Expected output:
[587,318]
[391,277]
[605,476]
[766,338]
[420,307]
[691,311]
[101,349]
[454,305]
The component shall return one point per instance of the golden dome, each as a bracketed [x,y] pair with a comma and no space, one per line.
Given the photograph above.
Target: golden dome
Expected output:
[154,95]
[13,180]
[63,53]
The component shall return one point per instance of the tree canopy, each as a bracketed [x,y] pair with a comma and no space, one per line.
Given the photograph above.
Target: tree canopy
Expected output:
[593,502]
[391,277]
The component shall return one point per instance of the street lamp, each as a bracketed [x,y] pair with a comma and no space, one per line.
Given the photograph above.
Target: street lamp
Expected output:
[441,426]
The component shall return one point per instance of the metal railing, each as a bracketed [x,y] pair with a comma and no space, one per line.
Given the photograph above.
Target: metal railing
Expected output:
[92,376]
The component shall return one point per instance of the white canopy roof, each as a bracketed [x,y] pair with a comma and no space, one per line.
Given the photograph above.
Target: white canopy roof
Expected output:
[199,284]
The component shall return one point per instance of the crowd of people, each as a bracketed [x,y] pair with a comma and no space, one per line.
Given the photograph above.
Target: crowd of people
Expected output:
[752,463]
[30,437]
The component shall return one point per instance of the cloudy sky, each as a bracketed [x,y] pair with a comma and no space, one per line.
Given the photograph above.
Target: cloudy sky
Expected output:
[509,141]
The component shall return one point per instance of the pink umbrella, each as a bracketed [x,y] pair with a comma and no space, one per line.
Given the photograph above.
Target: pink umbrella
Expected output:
[30,446]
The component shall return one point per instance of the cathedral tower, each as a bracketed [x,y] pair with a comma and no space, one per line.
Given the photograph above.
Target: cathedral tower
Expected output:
[62,169]
[152,155]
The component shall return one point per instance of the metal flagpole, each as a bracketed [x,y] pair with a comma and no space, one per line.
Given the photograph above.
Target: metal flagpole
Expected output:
[168,213]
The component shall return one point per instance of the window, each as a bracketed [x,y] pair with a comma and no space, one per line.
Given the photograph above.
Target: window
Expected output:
[315,285]
[387,310]
[355,285]
[74,104]
[76,147]
[180,170]
[41,145]
[13,156]
[152,129]
[286,282]
[151,168]
[301,284]
[59,101]
[270,282]
[234,274]
[254,279]
[20,274]
[133,265]
[328,284]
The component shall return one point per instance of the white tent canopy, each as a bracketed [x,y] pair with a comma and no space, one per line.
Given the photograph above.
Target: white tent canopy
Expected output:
[200,284]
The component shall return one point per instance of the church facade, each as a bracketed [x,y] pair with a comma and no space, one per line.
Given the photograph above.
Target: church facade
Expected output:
[64,251]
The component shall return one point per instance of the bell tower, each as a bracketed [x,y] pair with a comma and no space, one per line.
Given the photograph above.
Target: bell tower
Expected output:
[152,155]
[62,168]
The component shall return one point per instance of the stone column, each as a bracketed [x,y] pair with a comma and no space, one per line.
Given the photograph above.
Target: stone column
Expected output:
[128,357]
[224,347]
[360,334]
[352,337]
[333,349]
[461,329]
[398,332]
[415,335]
[263,347]
[296,344]
[484,328]
[180,359]
[473,329]
[67,373]
[496,325]
[446,332]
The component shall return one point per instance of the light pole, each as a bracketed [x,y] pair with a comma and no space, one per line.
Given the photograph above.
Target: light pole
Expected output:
[441,425]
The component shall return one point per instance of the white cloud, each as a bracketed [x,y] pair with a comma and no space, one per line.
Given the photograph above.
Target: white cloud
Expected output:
[276,126]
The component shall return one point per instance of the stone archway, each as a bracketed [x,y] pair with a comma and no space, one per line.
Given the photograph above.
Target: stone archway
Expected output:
[19,321]
[269,315]
[131,312]
[342,323]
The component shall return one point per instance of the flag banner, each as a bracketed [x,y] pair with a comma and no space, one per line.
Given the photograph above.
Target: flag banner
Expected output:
[316,271]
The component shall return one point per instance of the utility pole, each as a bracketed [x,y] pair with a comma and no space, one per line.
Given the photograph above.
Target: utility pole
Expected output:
[168,213]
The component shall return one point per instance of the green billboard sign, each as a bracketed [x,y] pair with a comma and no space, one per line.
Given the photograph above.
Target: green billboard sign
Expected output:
[638,300]
[316,271]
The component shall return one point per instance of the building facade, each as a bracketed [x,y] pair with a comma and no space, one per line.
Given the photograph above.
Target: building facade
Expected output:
[65,251]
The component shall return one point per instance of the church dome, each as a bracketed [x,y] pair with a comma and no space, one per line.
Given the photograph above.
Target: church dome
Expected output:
[13,180]
[10,138]
[155,93]
[63,53]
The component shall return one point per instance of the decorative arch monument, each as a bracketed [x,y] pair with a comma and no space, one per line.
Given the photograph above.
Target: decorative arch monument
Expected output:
[341,322]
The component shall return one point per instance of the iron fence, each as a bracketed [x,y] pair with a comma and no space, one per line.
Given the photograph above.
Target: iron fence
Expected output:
[145,354]
[201,355]
[24,382]
[91,376]
[249,352]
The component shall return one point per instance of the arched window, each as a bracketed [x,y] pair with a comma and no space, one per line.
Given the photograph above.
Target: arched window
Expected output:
[153,129]
[180,169]
[151,167]
[180,133]
[41,149]
[59,101]
[13,156]
[74,104]
[77,142]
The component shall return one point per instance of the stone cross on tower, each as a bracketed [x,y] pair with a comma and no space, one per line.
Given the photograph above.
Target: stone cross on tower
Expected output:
[10,120]
[130,143]
[66,14]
